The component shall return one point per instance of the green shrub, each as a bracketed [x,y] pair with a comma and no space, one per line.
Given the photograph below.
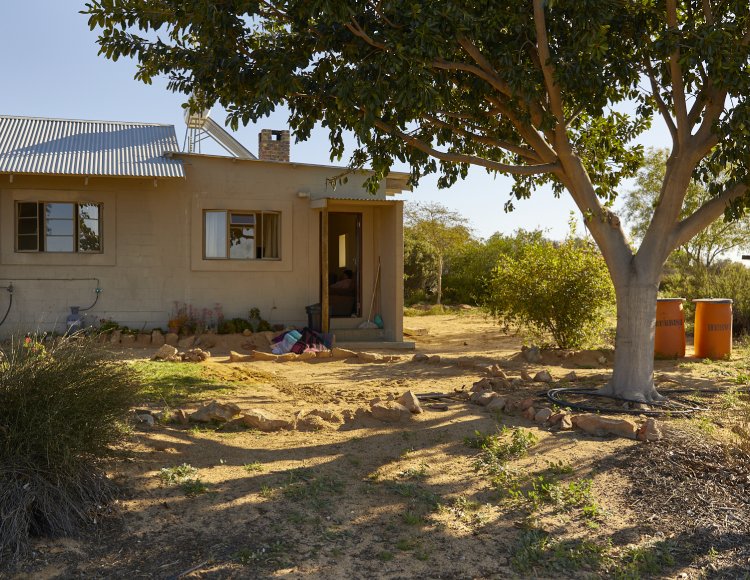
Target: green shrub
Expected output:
[61,411]
[562,289]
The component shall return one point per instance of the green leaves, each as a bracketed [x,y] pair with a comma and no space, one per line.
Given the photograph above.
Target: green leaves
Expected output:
[560,289]
[447,84]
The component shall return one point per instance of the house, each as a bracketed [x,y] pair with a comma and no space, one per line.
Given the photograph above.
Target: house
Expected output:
[114,219]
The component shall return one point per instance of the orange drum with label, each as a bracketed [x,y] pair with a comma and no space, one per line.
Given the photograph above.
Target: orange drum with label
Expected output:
[713,328]
[669,334]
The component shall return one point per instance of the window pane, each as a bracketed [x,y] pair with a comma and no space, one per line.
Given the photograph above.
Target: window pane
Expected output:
[88,211]
[243,219]
[215,231]
[28,243]
[60,227]
[28,210]
[242,243]
[59,244]
[89,239]
[59,211]
[27,226]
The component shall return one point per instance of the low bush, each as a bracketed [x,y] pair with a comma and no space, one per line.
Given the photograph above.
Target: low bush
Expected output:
[61,412]
[561,289]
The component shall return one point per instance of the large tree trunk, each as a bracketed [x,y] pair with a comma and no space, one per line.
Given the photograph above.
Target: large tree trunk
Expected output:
[633,375]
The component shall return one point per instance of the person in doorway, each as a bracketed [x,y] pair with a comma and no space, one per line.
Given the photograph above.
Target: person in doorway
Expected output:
[346,283]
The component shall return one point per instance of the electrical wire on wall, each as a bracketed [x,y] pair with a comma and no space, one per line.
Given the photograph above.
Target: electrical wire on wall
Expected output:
[10,289]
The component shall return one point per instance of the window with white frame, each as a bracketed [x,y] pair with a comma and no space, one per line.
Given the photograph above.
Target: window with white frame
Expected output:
[58,227]
[241,235]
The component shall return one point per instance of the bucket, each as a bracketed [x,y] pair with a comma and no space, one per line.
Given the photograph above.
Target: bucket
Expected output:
[314,317]
[669,334]
[713,328]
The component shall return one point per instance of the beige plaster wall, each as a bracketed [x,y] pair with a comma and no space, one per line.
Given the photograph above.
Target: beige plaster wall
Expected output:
[152,246]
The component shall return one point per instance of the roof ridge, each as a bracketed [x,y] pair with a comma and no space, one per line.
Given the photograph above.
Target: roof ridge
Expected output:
[33,118]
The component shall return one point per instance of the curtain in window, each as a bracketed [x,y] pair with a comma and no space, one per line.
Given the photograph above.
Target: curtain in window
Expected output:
[216,234]
[271,235]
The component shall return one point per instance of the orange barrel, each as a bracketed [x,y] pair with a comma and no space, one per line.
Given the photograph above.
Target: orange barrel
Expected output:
[713,328]
[669,336]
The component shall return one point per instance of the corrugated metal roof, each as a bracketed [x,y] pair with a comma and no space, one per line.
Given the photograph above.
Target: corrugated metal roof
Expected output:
[68,147]
[349,196]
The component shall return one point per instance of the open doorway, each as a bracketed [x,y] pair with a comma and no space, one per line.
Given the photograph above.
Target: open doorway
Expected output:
[344,260]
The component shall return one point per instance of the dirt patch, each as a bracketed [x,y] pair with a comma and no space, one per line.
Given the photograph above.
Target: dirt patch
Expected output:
[411,500]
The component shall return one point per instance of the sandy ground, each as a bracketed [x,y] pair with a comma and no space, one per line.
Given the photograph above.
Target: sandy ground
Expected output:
[366,499]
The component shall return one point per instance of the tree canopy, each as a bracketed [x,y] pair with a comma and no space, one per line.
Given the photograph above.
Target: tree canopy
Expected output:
[434,231]
[716,240]
[535,89]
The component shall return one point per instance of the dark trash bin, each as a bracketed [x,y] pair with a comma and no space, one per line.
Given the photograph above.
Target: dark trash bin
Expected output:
[315,317]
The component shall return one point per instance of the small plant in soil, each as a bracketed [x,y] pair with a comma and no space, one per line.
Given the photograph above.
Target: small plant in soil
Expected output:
[178,474]
[411,518]
[271,553]
[419,472]
[254,467]
[184,476]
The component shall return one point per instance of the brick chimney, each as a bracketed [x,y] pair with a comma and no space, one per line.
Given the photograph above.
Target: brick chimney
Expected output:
[273,145]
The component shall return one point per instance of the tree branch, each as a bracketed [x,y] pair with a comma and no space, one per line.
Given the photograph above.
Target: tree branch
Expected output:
[485,140]
[494,80]
[358,31]
[704,215]
[461,158]
[542,47]
[678,88]
[527,131]
[662,106]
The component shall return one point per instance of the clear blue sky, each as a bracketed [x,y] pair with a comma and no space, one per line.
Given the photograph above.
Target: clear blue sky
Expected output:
[50,68]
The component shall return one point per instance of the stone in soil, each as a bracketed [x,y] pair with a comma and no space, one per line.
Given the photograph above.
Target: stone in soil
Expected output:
[481,385]
[215,411]
[180,417]
[542,415]
[342,353]
[195,355]
[165,352]
[570,377]
[649,431]
[370,357]
[543,377]
[483,398]
[525,376]
[496,404]
[420,357]
[496,371]
[500,384]
[434,359]
[529,413]
[410,401]
[145,419]
[264,421]
[157,338]
[390,412]
[601,426]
